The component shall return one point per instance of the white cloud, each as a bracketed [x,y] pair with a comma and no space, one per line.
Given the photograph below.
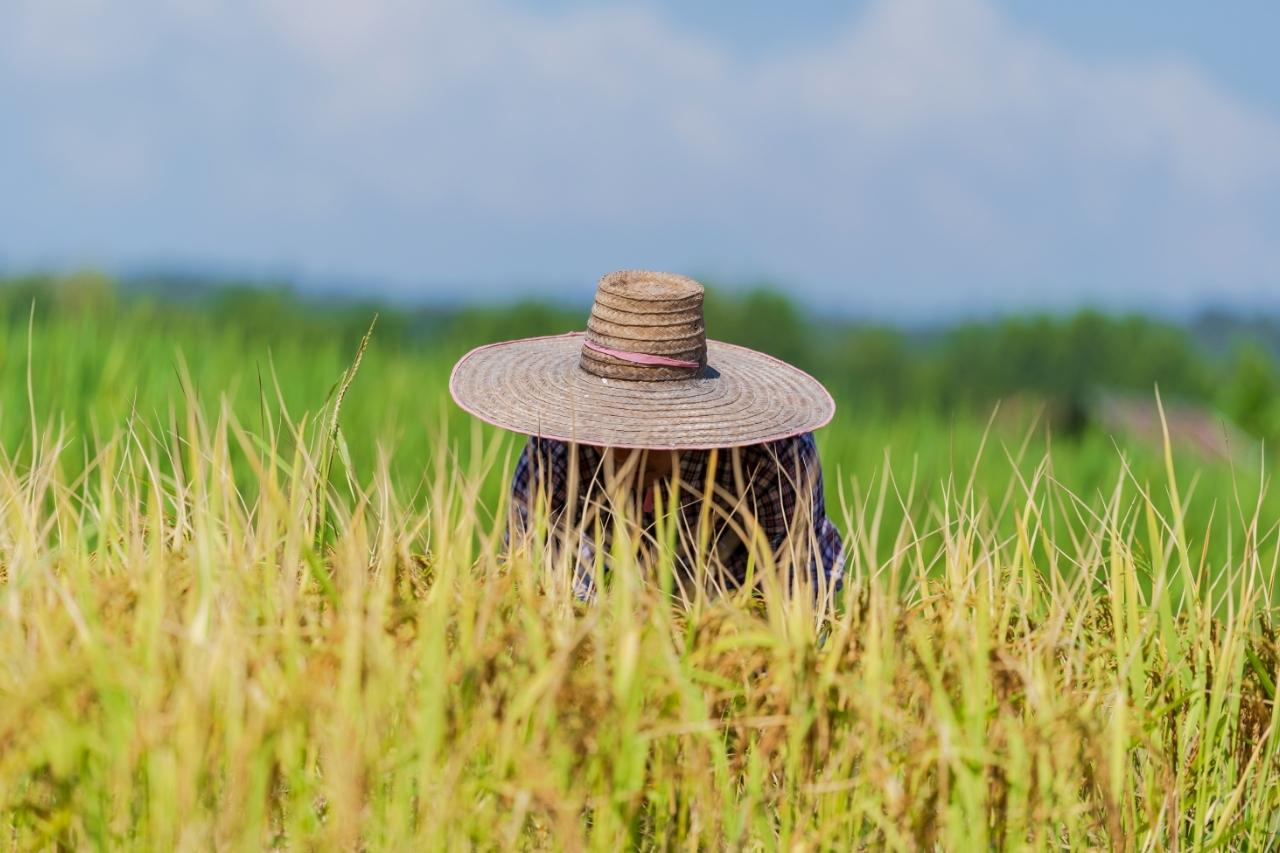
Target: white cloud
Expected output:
[929,155]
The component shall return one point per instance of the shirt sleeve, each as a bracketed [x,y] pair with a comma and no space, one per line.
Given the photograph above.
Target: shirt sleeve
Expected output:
[539,474]
[519,510]
[791,508]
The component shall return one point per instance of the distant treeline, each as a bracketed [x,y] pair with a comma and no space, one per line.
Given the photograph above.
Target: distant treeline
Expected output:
[1222,361]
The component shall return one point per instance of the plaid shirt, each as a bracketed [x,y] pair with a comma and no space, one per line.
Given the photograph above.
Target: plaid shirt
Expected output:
[773,488]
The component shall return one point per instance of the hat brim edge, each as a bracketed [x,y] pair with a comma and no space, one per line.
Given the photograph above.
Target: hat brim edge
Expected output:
[535,432]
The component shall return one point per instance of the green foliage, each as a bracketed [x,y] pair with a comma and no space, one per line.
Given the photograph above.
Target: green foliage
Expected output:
[764,320]
[1251,391]
[233,614]
[1012,665]
[965,368]
[1069,358]
[102,356]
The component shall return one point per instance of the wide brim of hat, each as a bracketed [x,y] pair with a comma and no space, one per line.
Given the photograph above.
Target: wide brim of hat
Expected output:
[536,386]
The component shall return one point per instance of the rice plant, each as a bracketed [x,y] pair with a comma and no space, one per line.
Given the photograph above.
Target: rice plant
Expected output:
[190,661]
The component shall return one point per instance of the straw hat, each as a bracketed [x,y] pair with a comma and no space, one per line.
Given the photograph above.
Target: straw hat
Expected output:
[643,375]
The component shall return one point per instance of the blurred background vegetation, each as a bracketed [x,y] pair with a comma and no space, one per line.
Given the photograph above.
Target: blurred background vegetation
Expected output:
[1069,397]
[1227,364]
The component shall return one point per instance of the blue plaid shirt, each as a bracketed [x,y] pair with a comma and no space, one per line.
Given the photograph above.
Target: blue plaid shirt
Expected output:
[773,488]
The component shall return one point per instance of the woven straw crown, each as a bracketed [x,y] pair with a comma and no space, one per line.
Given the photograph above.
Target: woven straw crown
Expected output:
[643,375]
[651,314]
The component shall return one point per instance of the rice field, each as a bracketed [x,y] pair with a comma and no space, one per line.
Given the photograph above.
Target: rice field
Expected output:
[253,598]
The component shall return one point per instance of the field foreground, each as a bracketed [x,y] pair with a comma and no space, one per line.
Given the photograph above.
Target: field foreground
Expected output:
[193,658]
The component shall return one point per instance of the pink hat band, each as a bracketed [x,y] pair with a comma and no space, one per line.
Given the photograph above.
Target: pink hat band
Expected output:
[641,357]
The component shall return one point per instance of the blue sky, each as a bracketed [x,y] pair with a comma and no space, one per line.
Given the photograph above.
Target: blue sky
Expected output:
[896,158]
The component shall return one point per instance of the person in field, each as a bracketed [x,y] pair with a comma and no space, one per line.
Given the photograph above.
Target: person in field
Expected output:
[643,421]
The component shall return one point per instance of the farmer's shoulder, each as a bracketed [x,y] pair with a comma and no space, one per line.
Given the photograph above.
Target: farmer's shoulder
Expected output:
[801,448]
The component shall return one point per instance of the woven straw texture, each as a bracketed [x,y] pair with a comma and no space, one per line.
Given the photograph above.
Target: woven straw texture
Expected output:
[554,387]
[651,313]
